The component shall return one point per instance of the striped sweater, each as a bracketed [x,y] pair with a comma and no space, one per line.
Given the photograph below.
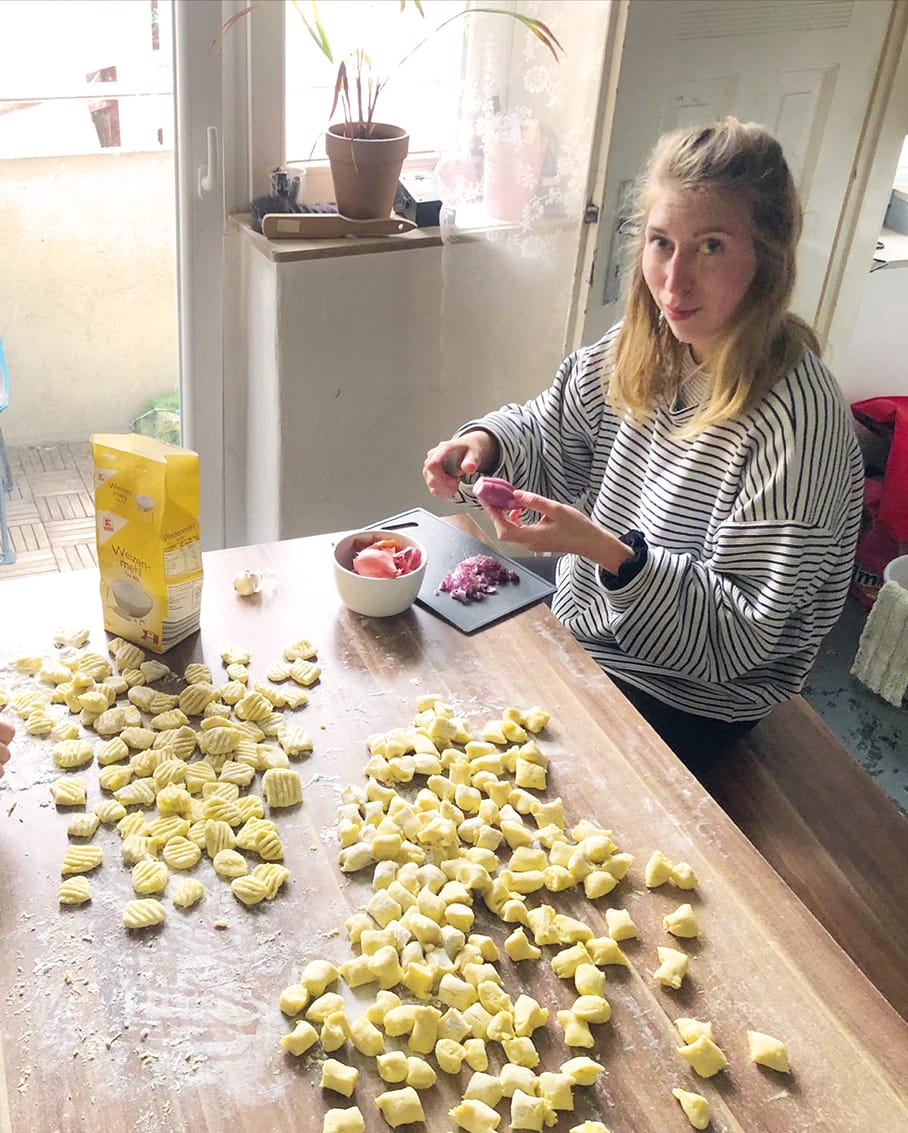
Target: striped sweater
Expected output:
[751,528]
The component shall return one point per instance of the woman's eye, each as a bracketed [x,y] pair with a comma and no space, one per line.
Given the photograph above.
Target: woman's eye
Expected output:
[660,243]
[712,246]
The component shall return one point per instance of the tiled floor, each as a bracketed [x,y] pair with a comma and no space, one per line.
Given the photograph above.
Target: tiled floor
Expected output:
[51,521]
[872,730]
[50,513]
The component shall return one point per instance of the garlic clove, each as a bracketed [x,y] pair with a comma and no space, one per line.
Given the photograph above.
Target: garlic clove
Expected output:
[247,582]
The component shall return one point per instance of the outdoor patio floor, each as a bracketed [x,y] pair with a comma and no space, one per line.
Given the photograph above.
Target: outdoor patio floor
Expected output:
[50,514]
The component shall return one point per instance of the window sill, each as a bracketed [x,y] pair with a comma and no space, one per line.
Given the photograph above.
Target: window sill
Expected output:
[292,251]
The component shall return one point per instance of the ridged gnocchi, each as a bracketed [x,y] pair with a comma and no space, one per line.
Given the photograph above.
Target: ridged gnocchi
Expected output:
[144,912]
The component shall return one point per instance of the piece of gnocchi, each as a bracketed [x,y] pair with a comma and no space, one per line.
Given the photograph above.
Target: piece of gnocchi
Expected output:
[400,1107]
[475,1116]
[150,877]
[768,1051]
[704,1056]
[72,753]
[69,792]
[143,913]
[620,925]
[682,922]
[83,825]
[518,947]
[576,1031]
[180,853]
[420,1074]
[230,864]
[344,1121]
[695,1106]
[683,876]
[74,891]
[583,1071]
[81,859]
[530,1112]
[592,1008]
[300,1039]
[339,1077]
[658,870]
[282,787]
[189,892]
[672,968]
[317,976]
[691,1029]
[250,890]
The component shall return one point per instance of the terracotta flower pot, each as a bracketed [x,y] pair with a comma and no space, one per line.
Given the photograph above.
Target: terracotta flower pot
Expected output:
[366,171]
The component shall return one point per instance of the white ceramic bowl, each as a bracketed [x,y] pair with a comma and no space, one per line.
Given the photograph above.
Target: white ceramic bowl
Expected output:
[897,571]
[375,597]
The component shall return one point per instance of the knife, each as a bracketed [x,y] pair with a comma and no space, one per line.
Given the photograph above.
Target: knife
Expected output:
[329,226]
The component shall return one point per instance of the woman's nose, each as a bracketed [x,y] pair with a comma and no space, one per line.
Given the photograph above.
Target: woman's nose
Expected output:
[679,274]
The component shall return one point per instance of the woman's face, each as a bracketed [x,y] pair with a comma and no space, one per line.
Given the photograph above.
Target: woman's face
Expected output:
[698,261]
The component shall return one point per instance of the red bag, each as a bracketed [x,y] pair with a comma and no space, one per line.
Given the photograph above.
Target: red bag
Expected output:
[884,531]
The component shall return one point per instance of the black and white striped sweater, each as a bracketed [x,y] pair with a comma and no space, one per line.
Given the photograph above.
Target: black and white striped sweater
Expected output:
[751,528]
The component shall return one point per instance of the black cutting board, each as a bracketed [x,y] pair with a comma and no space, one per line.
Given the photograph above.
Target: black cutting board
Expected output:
[446,546]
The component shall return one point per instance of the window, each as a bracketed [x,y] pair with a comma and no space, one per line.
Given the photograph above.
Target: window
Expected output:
[101,81]
[421,95]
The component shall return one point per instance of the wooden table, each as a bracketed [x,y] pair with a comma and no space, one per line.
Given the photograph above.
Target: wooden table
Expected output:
[177,1028]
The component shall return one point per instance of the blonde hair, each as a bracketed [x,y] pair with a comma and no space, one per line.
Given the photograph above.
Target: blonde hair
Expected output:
[764,341]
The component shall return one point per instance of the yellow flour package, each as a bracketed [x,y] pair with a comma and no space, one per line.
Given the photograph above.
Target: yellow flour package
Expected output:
[149,549]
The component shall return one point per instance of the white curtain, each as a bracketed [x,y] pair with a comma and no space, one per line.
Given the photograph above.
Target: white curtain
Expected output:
[514,197]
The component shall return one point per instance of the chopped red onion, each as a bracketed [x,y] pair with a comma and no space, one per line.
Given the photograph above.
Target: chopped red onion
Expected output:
[472,579]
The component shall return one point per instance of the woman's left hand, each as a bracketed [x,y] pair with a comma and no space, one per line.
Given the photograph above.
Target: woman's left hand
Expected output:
[561,529]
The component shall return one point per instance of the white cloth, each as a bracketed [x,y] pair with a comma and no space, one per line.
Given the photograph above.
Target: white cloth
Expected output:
[882,658]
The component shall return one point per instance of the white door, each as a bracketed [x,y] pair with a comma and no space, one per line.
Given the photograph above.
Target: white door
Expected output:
[805,69]
[100,318]
[198,88]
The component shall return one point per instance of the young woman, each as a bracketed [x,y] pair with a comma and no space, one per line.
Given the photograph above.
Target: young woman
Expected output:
[696,468]
[7,731]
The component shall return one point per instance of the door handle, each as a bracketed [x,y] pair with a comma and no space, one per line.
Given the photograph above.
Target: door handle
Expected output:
[208,176]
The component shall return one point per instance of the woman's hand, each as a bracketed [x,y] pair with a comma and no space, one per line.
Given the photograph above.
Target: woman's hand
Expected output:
[562,529]
[461,456]
[7,731]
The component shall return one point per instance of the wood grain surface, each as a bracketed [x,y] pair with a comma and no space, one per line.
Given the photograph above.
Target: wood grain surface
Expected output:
[177,1028]
[825,826]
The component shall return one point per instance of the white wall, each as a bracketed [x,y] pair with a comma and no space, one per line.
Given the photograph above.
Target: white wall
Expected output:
[343,372]
[87,292]
[335,406]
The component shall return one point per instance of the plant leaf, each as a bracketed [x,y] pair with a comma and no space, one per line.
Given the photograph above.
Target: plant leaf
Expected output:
[315,29]
[541,30]
[232,22]
[341,86]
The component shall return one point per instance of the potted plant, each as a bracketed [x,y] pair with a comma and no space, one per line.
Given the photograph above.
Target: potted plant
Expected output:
[365,154]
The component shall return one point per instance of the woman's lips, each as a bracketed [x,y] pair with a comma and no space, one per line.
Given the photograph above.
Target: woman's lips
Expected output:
[678,316]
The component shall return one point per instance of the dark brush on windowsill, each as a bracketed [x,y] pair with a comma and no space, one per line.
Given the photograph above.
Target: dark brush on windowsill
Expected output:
[263,205]
[285,188]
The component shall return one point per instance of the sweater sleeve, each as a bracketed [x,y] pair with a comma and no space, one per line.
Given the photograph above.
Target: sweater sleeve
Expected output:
[547,445]
[793,523]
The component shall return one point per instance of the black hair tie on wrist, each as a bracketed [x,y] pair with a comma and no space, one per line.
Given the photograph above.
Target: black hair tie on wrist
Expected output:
[630,568]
